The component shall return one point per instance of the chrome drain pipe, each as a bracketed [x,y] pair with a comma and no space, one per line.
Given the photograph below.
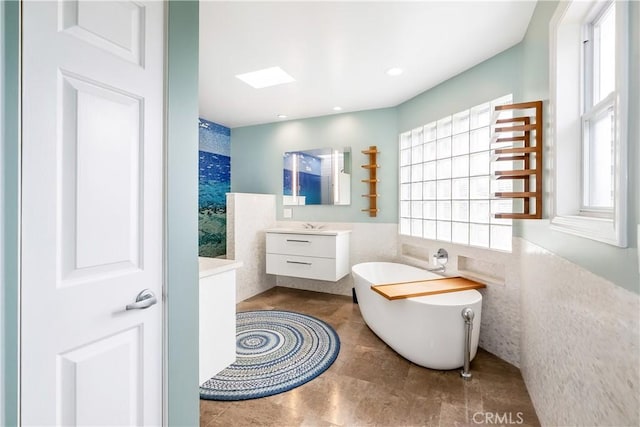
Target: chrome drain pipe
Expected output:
[467,315]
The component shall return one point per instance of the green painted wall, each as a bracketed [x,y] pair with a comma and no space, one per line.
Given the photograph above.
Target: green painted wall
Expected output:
[10,206]
[620,266]
[182,214]
[257,160]
[634,114]
[535,57]
[497,76]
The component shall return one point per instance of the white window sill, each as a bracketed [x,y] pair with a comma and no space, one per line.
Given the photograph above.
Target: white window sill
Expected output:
[599,229]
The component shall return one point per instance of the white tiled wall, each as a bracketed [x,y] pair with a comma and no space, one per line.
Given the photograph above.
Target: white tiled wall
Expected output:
[580,343]
[248,215]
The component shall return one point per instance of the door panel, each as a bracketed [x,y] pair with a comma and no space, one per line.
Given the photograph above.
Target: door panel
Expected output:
[86,380]
[92,212]
[115,27]
[101,134]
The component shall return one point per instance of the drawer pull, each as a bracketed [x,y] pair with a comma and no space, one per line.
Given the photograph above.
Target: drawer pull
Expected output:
[298,262]
[298,241]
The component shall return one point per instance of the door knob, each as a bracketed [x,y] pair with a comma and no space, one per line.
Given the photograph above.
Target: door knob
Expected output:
[145,299]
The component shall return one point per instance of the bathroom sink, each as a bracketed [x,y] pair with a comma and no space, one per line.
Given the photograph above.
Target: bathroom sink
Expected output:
[316,231]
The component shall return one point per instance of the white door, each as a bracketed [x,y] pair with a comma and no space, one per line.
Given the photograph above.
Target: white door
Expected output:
[92,212]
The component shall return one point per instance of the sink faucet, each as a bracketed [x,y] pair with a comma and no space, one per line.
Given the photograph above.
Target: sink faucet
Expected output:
[310,226]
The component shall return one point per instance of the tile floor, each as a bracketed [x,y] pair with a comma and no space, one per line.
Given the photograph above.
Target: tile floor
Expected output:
[369,384]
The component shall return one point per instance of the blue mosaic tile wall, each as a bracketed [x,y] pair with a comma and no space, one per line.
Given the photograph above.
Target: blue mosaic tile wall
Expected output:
[213,184]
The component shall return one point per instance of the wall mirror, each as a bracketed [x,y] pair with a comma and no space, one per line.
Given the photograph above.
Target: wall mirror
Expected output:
[317,177]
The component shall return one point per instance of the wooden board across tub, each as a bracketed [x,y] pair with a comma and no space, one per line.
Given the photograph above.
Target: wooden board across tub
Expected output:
[420,288]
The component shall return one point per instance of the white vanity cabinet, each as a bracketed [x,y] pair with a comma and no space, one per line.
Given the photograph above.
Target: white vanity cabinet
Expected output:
[309,254]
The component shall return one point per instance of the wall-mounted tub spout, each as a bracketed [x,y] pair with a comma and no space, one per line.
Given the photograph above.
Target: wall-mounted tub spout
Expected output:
[467,315]
[440,260]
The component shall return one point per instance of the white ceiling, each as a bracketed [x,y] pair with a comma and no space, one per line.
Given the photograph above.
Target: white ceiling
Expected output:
[338,52]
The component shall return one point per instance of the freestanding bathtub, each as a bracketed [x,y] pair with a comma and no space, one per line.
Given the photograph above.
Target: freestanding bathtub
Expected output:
[429,330]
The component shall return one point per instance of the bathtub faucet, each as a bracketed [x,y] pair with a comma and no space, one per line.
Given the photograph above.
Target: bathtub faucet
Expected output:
[440,260]
[438,269]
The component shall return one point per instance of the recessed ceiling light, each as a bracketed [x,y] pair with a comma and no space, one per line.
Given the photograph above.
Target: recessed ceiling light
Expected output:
[282,116]
[395,71]
[265,78]
[337,108]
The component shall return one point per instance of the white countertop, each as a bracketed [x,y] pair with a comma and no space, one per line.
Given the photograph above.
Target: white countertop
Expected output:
[211,266]
[319,232]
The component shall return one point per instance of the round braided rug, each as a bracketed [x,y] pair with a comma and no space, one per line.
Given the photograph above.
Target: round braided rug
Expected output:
[276,351]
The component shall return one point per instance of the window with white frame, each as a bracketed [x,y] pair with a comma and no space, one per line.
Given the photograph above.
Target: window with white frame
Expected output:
[589,42]
[445,181]
[598,118]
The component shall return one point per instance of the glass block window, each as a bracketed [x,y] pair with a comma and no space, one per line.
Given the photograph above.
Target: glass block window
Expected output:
[446,181]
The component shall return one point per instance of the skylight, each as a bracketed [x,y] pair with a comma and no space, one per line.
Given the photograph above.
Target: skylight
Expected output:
[265,78]
[395,71]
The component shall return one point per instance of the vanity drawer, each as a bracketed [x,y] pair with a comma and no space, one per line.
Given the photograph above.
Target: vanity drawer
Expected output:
[301,244]
[304,267]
